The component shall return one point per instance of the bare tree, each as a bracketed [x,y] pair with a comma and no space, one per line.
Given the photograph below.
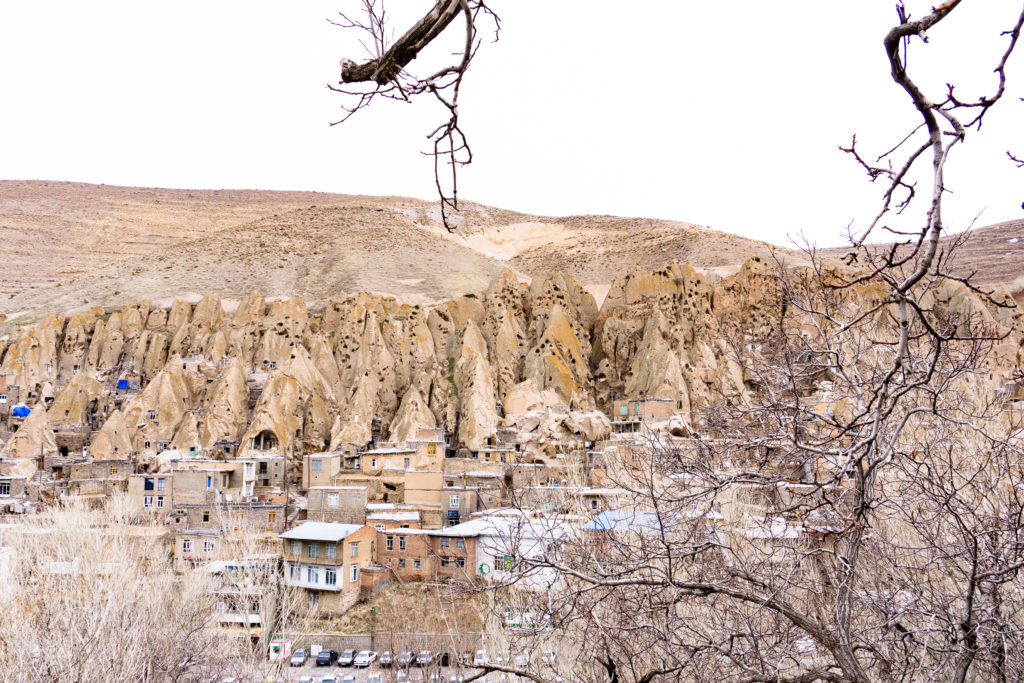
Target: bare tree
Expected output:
[386,74]
[854,513]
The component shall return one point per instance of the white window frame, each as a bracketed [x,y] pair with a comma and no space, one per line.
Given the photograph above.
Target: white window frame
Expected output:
[330,577]
[389,543]
[453,502]
[354,573]
[331,551]
[313,575]
[401,542]
[297,548]
[186,545]
[208,545]
[332,500]
[312,549]
[159,501]
[147,501]
[316,465]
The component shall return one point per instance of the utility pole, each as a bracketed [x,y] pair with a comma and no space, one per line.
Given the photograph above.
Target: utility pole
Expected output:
[373,627]
[287,483]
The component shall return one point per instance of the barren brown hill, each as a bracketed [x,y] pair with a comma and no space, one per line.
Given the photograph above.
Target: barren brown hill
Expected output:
[68,246]
[993,256]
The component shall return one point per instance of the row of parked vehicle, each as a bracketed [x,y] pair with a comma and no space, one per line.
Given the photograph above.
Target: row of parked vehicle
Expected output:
[367,657]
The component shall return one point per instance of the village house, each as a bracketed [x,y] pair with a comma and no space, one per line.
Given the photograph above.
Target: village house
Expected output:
[407,553]
[324,559]
[200,482]
[341,504]
[629,416]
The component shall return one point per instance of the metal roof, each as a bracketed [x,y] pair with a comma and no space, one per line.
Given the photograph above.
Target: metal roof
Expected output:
[321,531]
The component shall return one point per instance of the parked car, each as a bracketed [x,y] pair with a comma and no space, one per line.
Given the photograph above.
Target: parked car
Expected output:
[306,679]
[299,658]
[329,679]
[405,659]
[346,658]
[326,657]
[480,658]
[424,658]
[365,658]
[385,658]
[348,678]
[375,678]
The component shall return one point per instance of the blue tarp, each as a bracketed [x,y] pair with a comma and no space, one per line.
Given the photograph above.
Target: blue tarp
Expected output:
[21,411]
[122,384]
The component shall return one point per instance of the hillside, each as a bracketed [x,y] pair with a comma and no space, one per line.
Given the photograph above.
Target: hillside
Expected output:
[71,246]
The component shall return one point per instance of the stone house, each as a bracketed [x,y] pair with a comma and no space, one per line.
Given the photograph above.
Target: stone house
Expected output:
[341,504]
[324,559]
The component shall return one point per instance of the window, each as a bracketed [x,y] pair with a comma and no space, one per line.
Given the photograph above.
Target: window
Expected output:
[147,484]
[208,546]
[431,449]
[460,562]
[313,549]
[355,573]
[444,562]
[159,484]
[186,545]
[355,550]
[401,564]
[3,398]
[389,542]
[332,500]
[623,409]
[314,599]
[401,542]
[403,526]
[405,463]
[316,465]
[5,488]
[271,516]
[296,548]
[460,543]
[209,482]
[206,515]
[415,564]
[593,503]
[147,501]
[159,501]
[331,577]
[453,502]
[152,415]
[373,463]
[387,463]
[330,551]
[446,542]
[113,470]
[295,572]
[378,527]
[498,562]
[147,444]
[312,575]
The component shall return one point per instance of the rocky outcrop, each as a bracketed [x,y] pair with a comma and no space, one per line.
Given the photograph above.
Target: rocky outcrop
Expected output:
[540,360]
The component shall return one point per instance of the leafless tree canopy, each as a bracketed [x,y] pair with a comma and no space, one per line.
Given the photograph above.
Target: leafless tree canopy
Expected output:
[855,513]
[387,74]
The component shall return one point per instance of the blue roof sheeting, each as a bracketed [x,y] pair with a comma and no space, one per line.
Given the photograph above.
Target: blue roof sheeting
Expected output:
[21,411]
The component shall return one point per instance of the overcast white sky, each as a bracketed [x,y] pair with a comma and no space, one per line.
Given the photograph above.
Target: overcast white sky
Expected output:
[727,114]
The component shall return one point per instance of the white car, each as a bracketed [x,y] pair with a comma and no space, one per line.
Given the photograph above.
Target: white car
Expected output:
[365,658]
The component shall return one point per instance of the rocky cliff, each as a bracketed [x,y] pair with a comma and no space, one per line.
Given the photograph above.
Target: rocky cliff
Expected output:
[537,360]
